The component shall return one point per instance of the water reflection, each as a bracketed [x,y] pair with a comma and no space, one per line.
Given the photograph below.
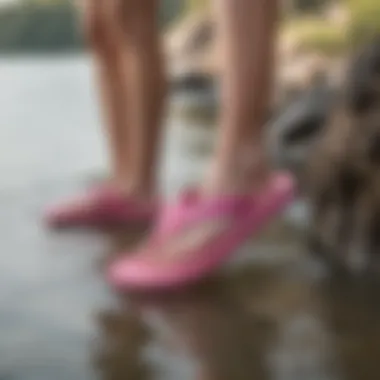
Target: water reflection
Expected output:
[256,322]
[118,351]
[352,311]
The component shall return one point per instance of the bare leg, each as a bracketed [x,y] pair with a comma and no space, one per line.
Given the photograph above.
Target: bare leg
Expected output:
[124,37]
[146,92]
[247,31]
[111,71]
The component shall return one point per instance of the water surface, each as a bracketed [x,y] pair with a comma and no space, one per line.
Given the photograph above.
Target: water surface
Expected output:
[270,314]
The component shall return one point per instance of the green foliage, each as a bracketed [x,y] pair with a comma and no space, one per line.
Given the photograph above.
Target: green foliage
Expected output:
[170,9]
[52,25]
[196,5]
[34,27]
[316,34]
[319,35]
[365,19]
[309,5]
[328,41]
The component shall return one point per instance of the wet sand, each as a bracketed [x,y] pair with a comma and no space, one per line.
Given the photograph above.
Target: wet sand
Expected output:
[272,313]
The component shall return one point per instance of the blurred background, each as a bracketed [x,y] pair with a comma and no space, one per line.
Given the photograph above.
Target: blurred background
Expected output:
[271,314]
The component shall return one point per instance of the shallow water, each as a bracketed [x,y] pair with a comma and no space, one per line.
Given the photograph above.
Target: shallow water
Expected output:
[270,314]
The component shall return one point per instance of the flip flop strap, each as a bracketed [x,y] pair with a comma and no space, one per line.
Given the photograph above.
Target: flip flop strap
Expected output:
[186,212]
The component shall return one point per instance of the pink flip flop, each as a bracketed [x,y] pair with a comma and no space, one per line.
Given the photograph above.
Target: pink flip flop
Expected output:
[100,206]
[245,215]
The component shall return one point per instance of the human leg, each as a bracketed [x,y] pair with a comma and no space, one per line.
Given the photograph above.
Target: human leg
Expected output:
[123,38]
[201,229]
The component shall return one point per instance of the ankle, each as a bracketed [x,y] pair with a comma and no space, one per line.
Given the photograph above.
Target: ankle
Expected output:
[245,174]
[145,192]
[138,191]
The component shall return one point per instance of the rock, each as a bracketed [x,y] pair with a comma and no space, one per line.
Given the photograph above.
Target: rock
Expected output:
[192,82]
[292,132]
